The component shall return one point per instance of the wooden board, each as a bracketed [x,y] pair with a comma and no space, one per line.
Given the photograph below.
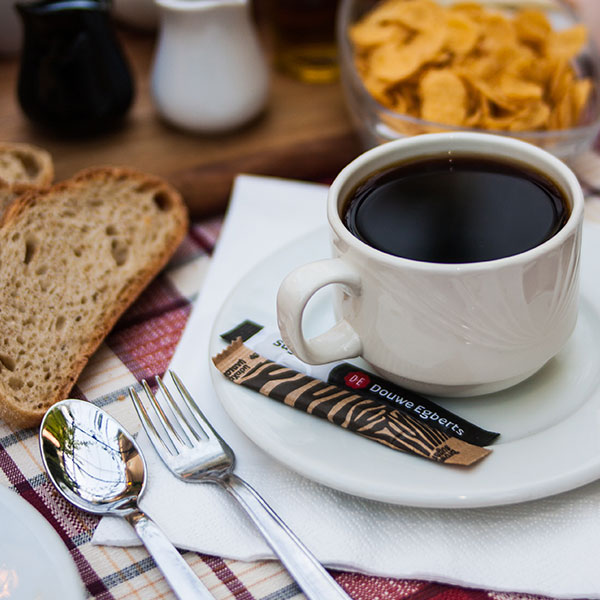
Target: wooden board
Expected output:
[304,133]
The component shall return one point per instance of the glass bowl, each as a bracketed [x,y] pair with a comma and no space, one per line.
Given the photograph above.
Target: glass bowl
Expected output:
[377,123]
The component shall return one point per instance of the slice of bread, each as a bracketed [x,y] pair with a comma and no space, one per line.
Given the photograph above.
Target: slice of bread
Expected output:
[72,259]
[27,164]
[8,193]
[23,168]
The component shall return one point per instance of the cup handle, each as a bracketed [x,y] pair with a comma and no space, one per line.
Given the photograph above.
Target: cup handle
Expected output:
[337,343]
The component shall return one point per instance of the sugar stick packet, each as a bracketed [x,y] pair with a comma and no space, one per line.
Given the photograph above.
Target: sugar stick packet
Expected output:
[267,342]
[365,416]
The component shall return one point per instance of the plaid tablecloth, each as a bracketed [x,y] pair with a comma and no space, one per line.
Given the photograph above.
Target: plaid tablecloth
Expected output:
[141,346]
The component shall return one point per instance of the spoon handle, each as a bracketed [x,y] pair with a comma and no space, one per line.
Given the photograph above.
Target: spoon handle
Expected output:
[177,572]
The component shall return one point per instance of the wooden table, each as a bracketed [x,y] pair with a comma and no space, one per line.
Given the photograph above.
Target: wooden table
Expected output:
[304,133]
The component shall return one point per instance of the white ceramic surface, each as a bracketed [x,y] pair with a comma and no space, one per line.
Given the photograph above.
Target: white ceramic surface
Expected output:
[34,562]
[446,329]
[549,424]
[209,73]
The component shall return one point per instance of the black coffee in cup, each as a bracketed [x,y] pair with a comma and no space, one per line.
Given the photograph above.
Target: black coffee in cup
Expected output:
[461,209]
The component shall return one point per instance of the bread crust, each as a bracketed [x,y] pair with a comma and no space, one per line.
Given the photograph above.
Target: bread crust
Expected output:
[20,416]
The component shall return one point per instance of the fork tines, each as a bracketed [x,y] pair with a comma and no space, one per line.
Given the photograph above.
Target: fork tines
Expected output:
[179,429]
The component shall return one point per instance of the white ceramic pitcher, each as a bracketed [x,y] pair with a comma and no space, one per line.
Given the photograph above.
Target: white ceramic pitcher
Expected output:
[209,73]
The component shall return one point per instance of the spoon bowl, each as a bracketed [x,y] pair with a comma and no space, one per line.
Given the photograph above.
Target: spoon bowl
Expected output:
[97,466]
[91,459]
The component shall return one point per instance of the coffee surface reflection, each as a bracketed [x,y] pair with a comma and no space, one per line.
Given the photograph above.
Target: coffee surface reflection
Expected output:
[462,209]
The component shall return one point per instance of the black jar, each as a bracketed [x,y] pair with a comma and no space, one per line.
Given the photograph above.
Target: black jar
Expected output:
[74,78]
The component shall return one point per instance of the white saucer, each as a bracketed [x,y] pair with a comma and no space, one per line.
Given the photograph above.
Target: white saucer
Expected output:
[34,561]
[549,424]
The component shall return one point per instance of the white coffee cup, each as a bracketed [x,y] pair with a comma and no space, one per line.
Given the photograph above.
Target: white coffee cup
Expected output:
[443,329]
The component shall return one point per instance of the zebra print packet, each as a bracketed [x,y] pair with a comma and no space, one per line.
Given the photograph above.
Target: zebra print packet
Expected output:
[267,341]
[352,411]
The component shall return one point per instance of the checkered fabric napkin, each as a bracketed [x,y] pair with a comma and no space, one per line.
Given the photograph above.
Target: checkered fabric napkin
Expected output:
[141,346]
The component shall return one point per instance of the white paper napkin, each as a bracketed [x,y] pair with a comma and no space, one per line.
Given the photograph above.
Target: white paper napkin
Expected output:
[549,547]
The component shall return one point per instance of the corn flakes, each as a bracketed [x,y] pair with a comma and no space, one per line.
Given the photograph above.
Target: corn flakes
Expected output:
[443,97]
[469,65]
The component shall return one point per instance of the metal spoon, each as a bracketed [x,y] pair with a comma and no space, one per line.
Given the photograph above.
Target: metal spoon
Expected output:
[96,465]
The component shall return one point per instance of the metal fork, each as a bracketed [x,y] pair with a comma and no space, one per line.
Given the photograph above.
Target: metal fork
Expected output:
[198,458]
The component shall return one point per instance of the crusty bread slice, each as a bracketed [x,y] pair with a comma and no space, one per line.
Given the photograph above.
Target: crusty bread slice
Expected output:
[10,191]
[72,259]
[7,195]
[23,168]
[25,163]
